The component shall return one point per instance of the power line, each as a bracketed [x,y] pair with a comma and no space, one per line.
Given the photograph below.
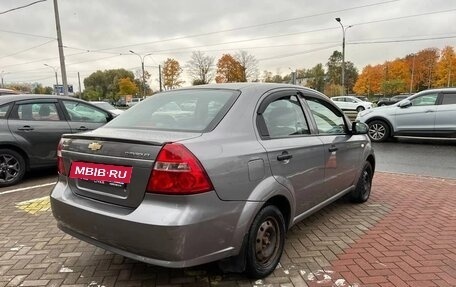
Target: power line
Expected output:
[248,27]
[21,7]
[27,34]
[28,49]
[299,53]
[403,40]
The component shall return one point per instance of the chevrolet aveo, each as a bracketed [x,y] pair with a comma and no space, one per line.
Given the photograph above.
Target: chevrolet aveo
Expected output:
[211,173]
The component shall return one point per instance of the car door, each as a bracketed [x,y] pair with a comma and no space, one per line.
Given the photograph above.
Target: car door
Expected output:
[342,151]
[295,155]
[37,126]
[445,115]
[419,117]
[84,117]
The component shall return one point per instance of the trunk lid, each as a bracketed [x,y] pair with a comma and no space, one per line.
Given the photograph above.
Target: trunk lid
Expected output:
[131,148]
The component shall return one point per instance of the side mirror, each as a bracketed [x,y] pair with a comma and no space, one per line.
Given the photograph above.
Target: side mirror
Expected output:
[405,104]
[359,128]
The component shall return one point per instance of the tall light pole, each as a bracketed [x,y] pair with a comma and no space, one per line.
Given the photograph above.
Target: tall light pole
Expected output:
[344,29]
[60,44]
[141,57]
[2,78]
[56,78]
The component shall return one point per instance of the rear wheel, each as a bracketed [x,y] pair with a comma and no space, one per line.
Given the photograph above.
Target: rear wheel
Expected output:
[265,242]
[378,131]
[360,109]
[12,167]
[363,188]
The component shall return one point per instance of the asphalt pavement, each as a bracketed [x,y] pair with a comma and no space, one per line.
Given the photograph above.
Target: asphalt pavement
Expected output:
[427,157]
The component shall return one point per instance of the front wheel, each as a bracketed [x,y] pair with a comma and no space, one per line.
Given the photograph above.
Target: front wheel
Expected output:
[265,242]
[12,167]
[363,187]
[378,131]
[360,109]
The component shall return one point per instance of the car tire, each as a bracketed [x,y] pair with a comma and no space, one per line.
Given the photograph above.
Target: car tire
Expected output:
[363,187]
[12,167]
[265,242]
[379,131]
[360,109]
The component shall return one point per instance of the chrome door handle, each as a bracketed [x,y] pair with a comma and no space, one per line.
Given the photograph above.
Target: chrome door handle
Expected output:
[430,111]
[82,128]
[333,149]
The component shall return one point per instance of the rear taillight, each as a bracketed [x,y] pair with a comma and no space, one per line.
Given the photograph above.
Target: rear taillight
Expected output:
[60,163]
[178,171]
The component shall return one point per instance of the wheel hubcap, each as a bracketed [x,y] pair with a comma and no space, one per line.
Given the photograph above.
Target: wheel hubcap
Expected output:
[377,131]
[9,168]
[267,241]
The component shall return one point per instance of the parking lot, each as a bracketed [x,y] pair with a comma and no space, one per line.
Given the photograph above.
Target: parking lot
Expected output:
[405,235]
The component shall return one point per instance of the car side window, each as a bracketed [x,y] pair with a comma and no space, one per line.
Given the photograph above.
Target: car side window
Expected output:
[3,111]
[328,119]
[425,100]
[37,112]
[80,112]
[284,118]
[449,99]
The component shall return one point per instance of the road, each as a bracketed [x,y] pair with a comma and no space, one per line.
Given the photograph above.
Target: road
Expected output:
[426,157]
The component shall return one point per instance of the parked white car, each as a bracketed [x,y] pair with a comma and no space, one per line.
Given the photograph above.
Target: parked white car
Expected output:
[133,102]
[350,103]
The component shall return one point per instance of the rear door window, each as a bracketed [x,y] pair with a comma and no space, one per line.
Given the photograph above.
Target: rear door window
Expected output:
[3,110]
[80,112]
[449,99]
[37,112]
[184,110]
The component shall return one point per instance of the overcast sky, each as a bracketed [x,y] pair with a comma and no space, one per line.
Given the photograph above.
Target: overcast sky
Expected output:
[303,34]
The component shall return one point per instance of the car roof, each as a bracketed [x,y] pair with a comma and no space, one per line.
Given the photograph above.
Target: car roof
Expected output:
[12,98]
[256,88]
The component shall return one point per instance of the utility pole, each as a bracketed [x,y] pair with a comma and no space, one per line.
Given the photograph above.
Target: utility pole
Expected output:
[143,72]
[56,78]
[79,81]
[3,86]
[160,77]
[449,73]
[413,71]
[344,29]
[60,44]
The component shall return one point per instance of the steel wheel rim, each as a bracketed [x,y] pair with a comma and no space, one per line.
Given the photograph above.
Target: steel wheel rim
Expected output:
[377,131]
[9,168]
[267,241]
[367,182]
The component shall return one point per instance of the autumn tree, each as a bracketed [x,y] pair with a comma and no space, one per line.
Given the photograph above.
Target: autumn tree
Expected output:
[249,66]
[201,68]
[229,70]
[423,64]
[369,81]
[127,87]
[171,74]
[446,68]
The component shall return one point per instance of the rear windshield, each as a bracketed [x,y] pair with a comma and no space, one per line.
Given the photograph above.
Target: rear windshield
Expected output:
[195,110]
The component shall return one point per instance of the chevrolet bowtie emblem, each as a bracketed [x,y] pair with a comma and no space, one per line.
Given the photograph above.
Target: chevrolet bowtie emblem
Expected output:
[95,146]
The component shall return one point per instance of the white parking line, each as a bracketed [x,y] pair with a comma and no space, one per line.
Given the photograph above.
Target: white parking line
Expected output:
[29,187]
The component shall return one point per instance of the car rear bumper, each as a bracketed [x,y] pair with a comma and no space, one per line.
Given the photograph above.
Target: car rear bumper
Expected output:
[170,231]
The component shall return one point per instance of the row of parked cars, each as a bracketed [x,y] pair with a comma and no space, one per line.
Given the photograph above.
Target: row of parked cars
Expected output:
[201,174]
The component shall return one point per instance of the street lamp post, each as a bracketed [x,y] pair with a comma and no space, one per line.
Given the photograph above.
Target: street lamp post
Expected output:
[56,78]
[2,78]
[143,73]
[344,29]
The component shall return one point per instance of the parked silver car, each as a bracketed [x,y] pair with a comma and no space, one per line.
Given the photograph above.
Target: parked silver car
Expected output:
[430,113]
[223,181]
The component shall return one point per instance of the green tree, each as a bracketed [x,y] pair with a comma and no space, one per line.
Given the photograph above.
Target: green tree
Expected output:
[334,74]
[315,77]
[39,89]
[106,83]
